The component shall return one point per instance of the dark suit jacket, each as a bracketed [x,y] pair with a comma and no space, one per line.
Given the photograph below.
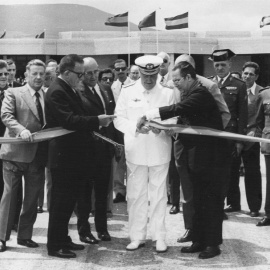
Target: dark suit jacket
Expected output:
[16,84]
[198,109]
[64,108]
[94,108]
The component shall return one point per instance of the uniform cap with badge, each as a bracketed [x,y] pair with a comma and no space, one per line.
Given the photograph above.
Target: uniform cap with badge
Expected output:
[149,64]
[221,55]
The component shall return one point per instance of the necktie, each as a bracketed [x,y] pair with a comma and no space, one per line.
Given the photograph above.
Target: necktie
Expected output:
[121,85]
[39,109]
[2,95]
[10,85]
[220,83]
[248,91]
[97,97]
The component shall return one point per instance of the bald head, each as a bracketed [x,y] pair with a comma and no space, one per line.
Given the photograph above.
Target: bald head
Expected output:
[91,71]
[164,67]
[185,58]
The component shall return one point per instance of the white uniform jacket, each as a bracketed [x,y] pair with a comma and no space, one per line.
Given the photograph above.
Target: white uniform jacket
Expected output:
[134,100]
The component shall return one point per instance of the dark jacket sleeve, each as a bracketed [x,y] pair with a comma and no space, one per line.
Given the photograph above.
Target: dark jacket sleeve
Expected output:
[195,103]
[59,105]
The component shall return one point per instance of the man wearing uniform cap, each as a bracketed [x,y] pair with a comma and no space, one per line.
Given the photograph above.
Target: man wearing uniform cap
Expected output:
[148,154]
[234,92]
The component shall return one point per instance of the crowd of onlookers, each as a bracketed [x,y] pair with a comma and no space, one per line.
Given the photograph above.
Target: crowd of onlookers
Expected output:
[82,173]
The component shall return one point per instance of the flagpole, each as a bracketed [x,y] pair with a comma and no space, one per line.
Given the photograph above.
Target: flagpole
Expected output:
[188,41]
[157,38]
[157,31]
[128,45]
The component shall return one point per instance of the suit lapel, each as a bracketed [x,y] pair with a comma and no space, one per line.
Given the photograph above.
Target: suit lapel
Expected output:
[74,97]
[226,82]
[26,96]
[91,97]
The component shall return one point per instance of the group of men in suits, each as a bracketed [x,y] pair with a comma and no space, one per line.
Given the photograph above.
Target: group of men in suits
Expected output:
[231,105]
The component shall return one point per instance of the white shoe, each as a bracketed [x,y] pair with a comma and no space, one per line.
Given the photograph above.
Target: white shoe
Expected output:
[161,246]
[135,245]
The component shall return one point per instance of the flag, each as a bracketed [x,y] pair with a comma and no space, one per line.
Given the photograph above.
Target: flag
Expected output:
[3,35]
[148,21]
[177,22]
[42,35]
[120,20]
[265,21]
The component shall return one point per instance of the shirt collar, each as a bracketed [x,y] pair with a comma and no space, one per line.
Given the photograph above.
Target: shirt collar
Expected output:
[224,79]
[32,91]
[252,88]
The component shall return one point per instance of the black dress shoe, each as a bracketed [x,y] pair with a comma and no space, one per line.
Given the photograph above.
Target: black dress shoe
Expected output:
[119,198]
[264,222]
[88,238]
[186,237]
[40,209]
[3,246]
[195,247]
[104,236]
[174,210]
[27,243]
[209,252]
[73,246]
[254,213]
[62,253]
[230,209]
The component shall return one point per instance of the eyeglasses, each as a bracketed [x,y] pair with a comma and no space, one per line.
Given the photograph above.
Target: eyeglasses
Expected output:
[79,74]
[91,73]
[121,68]
[4,73]
[176,81]
[105,79]
[250,74]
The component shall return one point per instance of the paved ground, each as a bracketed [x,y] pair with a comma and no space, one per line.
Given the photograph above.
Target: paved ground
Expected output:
[245,246]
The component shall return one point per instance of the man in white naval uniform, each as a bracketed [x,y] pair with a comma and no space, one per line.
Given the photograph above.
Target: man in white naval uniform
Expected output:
[148,154]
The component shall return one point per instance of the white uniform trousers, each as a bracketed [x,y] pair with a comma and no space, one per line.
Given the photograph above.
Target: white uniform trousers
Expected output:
[141,181]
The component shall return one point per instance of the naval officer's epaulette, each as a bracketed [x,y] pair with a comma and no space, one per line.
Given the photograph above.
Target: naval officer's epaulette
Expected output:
[211,77]
[265,88]
[130,84]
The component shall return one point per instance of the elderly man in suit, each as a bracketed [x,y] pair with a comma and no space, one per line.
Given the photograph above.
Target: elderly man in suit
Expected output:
[69,156]
[251,151]
[97,99]
[22,113]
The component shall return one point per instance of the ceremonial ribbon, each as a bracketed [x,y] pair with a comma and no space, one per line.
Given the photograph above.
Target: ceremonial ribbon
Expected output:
[197,130]
[50,133]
